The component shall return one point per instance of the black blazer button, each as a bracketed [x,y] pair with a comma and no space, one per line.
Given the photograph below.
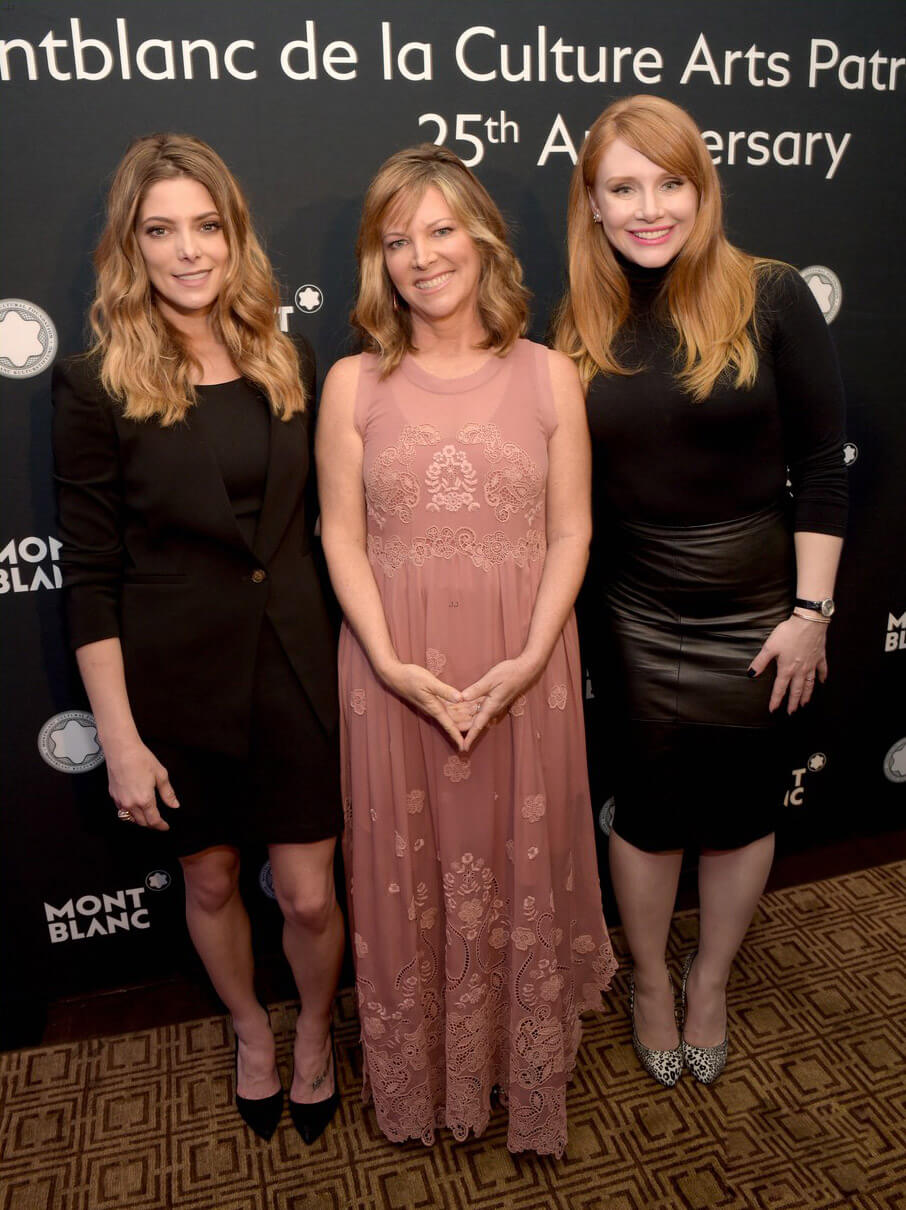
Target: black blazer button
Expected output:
[259,575]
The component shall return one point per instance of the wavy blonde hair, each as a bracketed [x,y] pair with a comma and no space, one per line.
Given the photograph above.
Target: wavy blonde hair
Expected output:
[380,314]
[145,363]
[709,293]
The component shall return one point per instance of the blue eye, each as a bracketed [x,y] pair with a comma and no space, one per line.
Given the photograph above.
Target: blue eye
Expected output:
[211,225]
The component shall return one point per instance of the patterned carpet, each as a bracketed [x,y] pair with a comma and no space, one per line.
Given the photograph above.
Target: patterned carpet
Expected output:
[810,1114]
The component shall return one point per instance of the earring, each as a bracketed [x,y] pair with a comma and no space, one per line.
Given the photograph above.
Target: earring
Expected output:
[596,216]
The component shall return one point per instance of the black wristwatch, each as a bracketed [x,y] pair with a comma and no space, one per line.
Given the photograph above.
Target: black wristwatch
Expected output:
[825,607]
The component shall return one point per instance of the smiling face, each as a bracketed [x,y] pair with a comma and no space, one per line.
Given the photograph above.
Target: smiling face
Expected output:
[432,260]
[180,235]
[646,212]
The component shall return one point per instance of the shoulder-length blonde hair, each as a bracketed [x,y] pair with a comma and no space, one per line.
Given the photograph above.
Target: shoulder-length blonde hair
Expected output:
[709,292]
[380,314]
[145,363]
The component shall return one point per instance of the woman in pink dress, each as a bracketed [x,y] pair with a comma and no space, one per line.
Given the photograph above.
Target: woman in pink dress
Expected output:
[454,468]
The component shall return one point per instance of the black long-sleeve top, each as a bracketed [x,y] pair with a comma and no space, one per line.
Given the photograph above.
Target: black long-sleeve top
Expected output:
[661,457]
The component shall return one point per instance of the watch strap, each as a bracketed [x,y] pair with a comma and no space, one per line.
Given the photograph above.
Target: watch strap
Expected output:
[825,607]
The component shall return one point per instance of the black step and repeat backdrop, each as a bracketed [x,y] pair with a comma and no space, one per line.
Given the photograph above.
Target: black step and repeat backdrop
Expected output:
[801,105]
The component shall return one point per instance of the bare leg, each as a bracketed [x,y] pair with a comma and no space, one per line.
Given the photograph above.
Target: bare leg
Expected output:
[219,928]
[730,884]
[645,886]
[313,944]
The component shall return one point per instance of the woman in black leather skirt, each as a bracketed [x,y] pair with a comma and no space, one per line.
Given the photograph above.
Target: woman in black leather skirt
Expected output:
[710,374]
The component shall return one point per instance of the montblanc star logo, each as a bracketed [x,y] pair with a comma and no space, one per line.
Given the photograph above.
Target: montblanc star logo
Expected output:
[69,742]
[266,881]
[20,338]
[895,762]
[605,816]
[28,339]
[816,762]
[827,289]
[75,742]
[850,452]
[309,299]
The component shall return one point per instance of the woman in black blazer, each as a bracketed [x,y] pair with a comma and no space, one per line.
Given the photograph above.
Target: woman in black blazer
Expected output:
[181,443]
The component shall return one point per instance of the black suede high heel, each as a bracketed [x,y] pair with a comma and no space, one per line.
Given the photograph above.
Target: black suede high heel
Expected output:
[311,1119]
[260,1114]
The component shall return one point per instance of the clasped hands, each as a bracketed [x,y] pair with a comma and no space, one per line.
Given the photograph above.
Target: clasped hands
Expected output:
[463,714]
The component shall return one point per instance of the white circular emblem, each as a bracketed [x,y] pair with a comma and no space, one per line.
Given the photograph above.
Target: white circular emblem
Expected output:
[69,742]
[158,880]
[266,881]
[605,816]
[28,339]
[309,299]
[826,287]
[895,762]
[816,762]
[850,452]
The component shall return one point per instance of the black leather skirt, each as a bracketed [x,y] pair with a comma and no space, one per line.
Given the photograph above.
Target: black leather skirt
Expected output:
[699,761]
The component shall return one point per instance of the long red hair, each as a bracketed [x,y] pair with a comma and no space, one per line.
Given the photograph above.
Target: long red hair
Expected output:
[708,294]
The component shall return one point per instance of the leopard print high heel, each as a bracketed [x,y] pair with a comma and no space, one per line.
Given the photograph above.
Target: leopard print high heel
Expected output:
[705,1062]
[665,1066]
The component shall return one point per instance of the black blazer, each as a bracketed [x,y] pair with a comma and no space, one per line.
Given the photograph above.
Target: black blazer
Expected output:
[152,554]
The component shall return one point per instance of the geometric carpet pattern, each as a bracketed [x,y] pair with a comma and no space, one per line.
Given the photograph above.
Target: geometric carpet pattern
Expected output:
[810,1113]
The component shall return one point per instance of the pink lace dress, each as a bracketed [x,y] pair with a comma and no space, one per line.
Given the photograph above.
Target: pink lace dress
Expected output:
[476,908]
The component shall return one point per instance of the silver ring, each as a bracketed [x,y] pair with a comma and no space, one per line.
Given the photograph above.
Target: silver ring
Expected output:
[125,815]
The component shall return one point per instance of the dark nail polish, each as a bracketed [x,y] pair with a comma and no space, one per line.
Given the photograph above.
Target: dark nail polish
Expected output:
[751,672]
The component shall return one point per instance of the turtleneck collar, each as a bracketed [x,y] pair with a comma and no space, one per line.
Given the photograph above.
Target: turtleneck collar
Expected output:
[644,282]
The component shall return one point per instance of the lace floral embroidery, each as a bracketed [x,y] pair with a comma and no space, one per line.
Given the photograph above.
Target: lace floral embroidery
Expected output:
[556,699]
[514,484]
[415,802]
[533,807]
[357,701]
[471,894]
[451,481]
[435,661]
[390,487]
[458,768]
[513,989]
[523,938]
[486,552]
[518,707]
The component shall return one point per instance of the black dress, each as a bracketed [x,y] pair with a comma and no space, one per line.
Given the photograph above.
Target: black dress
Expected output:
[190,544]
[285,790]
[692,562]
